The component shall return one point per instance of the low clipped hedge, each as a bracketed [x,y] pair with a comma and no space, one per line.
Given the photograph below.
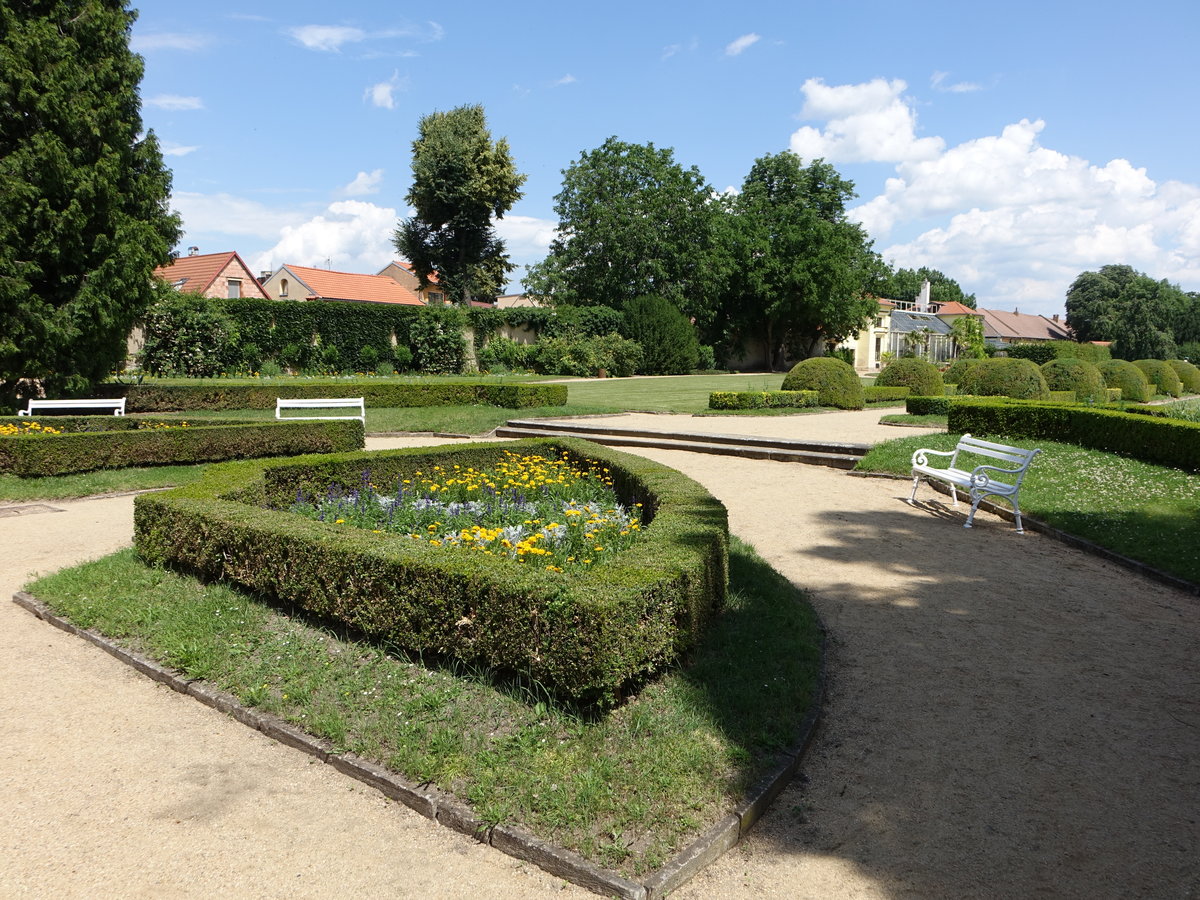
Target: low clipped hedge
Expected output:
[1170,442]
[1127,378]
[1161,376]
[873,393]
[1189,375]
[178,397]
[940,406]
[761,399]
[116,442]
[1077,375]
[918,375]
[835,382]
[585,636]
[1016,378]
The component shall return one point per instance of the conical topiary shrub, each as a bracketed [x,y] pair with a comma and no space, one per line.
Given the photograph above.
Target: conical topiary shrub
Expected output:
[835,382]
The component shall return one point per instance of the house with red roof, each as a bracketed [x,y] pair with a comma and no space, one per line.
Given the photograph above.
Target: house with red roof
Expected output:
[211,275]
[1017,327]
[304,283]
[402,272]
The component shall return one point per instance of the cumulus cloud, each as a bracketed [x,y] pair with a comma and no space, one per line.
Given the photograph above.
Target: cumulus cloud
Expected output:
[353,235]
[227,214]
[174,102]
[164,40]
[746,41]
[870,122]
[383,93]
[170,148]
[364,183]
[326,38]
[938,83]
[1010,219]
[566,79]
[526,237]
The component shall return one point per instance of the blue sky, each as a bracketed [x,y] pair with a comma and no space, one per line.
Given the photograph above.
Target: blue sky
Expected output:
[1011,146]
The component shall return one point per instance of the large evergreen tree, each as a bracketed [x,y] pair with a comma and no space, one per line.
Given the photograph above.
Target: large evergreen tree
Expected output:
[461,180]
[83,194]
[633,222]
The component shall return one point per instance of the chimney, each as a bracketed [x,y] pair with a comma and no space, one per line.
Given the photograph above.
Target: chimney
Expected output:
[192,251]
[263,275]
[923,297]
[1055,317]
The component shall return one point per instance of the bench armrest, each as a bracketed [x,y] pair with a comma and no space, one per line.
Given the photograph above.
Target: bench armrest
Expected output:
[980,479]
[919,458]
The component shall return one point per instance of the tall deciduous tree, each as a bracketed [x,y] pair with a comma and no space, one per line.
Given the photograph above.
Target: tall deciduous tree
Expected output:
[83,194]
[905,284]
[633,222]
[462,179]
[1092,301]
[803,271]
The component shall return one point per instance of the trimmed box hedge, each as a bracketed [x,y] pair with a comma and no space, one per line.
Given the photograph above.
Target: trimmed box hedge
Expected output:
[181,397]
[1170,442]
[586,636]
[761,399]
[873,393]
[116,442]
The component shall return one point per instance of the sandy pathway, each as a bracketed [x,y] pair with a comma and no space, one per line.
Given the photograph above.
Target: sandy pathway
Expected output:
[1006,717]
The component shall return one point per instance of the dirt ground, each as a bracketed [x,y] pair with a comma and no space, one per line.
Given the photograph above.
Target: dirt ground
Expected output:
[1006,717]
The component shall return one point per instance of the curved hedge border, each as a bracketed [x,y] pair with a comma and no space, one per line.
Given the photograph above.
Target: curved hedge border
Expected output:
[180,397]
[1170,442]
[115,442]
[874,393]
[940,406]
[586,636]
[761,399]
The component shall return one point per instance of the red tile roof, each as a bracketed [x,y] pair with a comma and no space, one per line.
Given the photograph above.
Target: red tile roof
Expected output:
[324,284]
[954,308]
[1021,326]
[404,264]
[195,274]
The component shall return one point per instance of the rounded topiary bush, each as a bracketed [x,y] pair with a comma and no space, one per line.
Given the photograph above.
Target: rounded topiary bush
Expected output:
[1189,375]
[954,374]
[835,382]
[1016,378]
[1161,376]
[1075,375]
[1119,373]
[668,338]
[920,376]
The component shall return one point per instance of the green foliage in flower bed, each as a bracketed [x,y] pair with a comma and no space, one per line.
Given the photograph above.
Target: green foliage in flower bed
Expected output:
[585,636]
[89,443]
[1161,376]
[873,393]
[761,399]
[1016,378]
[1165,441]
[394,395]
[835,381]
[918,375]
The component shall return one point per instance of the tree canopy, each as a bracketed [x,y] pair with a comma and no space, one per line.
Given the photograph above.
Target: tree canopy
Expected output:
[905,284]
[803,271]
[1144,318]
[633,222]
[461,180]
[83,194]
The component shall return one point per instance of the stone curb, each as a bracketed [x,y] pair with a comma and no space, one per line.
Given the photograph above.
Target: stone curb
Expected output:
[446,810]
[1056,534]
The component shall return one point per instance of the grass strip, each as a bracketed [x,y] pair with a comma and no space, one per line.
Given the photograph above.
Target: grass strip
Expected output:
[14,489]
[911,419]
[1147,512]
[626,790]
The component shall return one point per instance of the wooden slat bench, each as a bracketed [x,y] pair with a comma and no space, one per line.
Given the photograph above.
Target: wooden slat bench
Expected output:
[311,403]
[980,481]
[117,406]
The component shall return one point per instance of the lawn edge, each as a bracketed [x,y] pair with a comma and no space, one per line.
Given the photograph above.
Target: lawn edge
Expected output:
[448,811]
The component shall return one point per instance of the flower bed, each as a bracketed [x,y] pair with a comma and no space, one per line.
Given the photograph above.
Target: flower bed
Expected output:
[586,634]
[86,443]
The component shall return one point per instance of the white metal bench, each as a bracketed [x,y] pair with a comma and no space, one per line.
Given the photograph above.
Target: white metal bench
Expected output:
[117,405]
[980,481]
[307,403]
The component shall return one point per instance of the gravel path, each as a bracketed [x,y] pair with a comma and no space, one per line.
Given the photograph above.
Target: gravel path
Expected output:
[1006,718]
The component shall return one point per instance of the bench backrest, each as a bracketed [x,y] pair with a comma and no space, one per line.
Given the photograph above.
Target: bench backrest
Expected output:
[116,405]
[317,403]
[1018,459]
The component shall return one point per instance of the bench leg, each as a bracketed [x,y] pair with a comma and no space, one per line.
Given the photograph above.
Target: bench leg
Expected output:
[1017,515]
[975,501]
[913,496]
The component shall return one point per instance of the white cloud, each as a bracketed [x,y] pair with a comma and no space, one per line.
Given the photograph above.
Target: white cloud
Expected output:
[174,102]
[566,79]
[327,38]
[170,148]
[1010,219]
[364,183]
[355,236]
[226,214]
[169,41]
[527,238]
[383,93]
[734,48]
[870,122]
[938,83]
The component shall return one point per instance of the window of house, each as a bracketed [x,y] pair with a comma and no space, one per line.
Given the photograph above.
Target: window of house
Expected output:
[235,288]
[435,297]
[283,287]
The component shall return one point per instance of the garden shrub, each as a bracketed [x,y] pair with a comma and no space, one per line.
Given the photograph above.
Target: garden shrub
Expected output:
[918,375]
[586,356]
[143,398]
[1189,375]
[761,399]
[185,336]
[1155,439]
[585,635]
[954,374]
[1084,378]
[437,343]
[89,443]
[402,358]
[1128,378]
[368,358]
[707,360]
[835,382]
[873,393]
[927,406]
[1016,378]
[1161,376]
[1038,352]
[667,337]
[505,354]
